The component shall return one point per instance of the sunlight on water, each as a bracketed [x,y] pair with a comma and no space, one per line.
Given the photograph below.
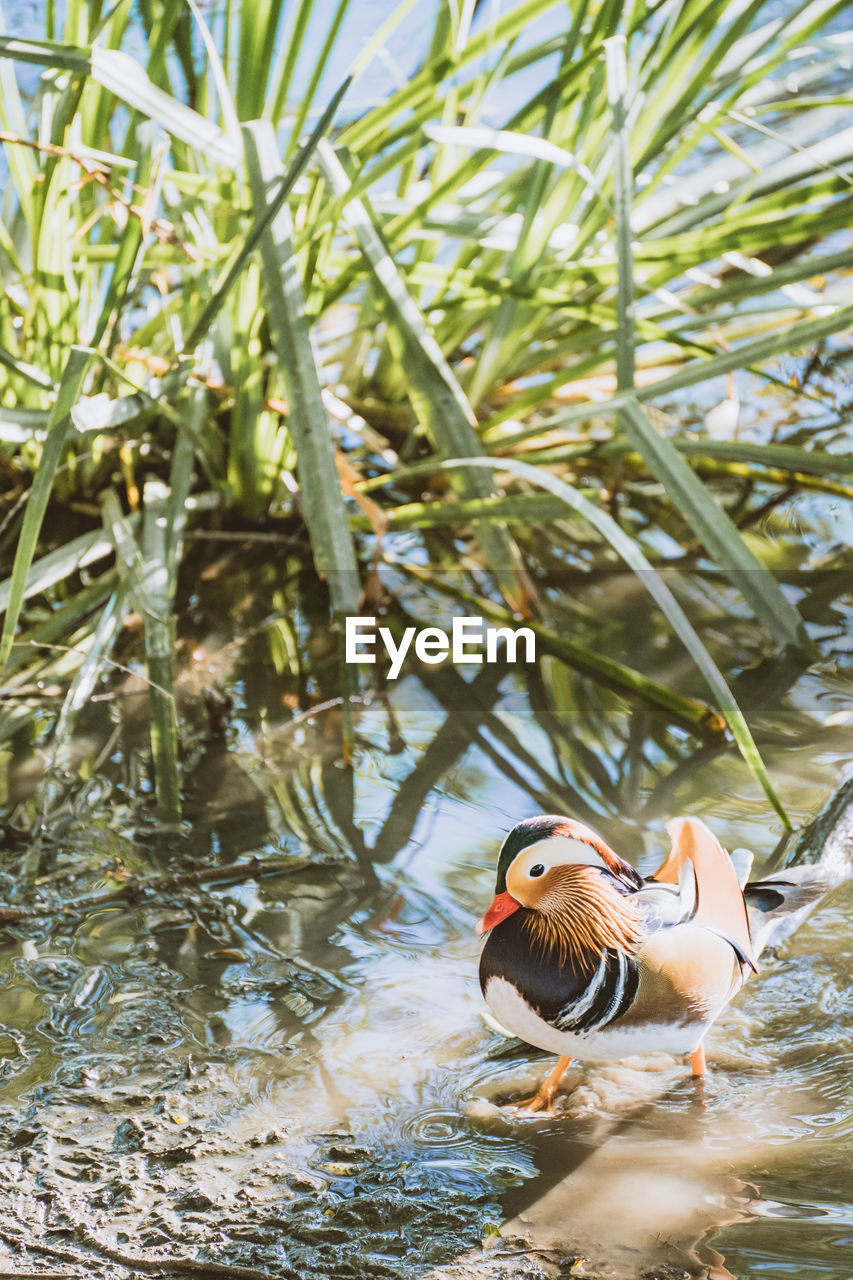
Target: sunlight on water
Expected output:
[287,1060]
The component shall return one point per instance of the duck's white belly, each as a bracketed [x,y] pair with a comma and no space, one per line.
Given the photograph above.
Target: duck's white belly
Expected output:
[606,1044]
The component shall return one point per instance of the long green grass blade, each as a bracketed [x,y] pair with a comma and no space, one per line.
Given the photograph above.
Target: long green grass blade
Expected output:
[160,648]
[275,201]
[519,508]
[295,45]
[436,394]
[617,95]
[663,597]
[320,64]
[789,457]
[87,674]
[26,371]
[717,532]
[687,492]
[361,132]
[220,79]
[746,355]
[776,464]
[58,427]
[128,555]
[325,514]
[181,474]
[65,620]
[47,53]
[144,578]
[128,258]
[56,566]
[696,716]
[22,166]
[122,75]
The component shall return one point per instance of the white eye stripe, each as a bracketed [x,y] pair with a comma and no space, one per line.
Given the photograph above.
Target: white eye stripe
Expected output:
[560,851]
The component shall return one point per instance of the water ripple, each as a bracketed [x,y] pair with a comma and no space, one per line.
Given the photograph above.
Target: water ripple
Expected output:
[435,1127]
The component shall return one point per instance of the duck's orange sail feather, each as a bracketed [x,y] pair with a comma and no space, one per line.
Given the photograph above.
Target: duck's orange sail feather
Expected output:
[719,899]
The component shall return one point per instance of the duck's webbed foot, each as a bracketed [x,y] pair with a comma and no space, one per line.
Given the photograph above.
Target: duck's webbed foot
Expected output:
[543,1099]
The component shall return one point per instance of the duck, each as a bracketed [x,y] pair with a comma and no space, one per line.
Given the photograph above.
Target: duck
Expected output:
[587,959]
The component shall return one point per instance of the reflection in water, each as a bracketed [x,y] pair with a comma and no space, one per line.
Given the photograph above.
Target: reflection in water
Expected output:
[642,1193]
[284,1069]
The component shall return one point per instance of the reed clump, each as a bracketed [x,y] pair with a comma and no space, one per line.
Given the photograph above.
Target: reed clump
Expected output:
[483,308]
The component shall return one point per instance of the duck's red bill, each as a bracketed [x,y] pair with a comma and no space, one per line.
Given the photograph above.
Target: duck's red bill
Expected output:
[503,905]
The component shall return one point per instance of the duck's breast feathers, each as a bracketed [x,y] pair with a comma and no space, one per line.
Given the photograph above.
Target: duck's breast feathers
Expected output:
[563,841]
[718,898]
[577,996]
[512,953]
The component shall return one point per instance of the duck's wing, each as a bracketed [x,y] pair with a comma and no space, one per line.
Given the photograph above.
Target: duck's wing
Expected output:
[662,906]
[668,897]
[697,881]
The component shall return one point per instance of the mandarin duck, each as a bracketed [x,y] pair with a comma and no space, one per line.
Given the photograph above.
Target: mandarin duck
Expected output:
[587,959]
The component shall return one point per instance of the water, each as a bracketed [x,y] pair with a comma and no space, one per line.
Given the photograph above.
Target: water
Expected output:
[292,1071]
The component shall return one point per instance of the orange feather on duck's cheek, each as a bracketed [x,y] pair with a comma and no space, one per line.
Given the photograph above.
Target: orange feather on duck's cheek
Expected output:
[579,916]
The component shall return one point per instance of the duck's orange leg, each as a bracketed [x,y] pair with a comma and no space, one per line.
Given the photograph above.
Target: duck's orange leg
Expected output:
[697,1061]
[545,1094]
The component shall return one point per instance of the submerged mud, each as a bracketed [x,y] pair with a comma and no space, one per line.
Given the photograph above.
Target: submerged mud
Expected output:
[152,1125]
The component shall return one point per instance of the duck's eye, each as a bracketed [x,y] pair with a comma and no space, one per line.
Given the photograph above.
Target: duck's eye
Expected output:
[538,870]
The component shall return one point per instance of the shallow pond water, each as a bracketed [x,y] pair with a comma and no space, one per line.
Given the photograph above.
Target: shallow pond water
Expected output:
[287,1067]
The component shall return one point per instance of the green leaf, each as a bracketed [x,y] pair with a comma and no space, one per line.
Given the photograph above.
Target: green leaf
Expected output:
[788,456]
[689,495]
[696,716]
[58,565]
[122,75]
[525,508]
[145,580]
[745,355]
[160,646]
[22,164]
[686,491]
[617,96]
[306,97]
[26,371]
[86,676]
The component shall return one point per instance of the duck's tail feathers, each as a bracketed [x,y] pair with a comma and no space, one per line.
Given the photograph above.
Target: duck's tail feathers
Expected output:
[742,860]
[821,858]
[778,905]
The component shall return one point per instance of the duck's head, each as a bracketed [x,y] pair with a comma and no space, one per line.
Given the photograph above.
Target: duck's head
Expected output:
[569,878]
